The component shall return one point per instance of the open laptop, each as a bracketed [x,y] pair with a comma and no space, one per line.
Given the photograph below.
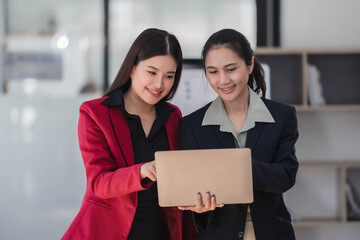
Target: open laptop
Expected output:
[182,174]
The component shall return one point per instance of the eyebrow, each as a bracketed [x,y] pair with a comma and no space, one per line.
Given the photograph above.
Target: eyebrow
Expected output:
[230,64]
[227,65]
[152,67]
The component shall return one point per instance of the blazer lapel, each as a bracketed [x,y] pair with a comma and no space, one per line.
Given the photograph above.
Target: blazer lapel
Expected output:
[122,134]
[172,131]
[253,134]
[225,139]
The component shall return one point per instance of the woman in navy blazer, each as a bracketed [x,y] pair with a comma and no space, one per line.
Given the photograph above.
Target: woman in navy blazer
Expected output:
[239,117]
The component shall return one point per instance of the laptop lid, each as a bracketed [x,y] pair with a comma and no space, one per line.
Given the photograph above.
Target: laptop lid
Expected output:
[182,174]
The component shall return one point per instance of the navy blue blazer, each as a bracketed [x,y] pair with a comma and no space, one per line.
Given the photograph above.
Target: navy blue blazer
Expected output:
[274,166]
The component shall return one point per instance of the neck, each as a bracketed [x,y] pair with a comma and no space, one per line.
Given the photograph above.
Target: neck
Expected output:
[135,105]
[239,105]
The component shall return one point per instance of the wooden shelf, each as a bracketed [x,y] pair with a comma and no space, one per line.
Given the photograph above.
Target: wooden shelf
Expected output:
[322,222]
[44,33]
[339,74]
[276,51]
[340,169]
[327,163]
[308,108]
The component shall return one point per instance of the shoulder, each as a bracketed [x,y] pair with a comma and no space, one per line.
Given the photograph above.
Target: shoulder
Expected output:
[94,102]
[197,116]
[94,106]
[176,111]
[280,112]
[275,107]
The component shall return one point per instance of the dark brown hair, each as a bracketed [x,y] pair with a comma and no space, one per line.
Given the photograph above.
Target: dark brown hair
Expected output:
[237,42]
[150,43]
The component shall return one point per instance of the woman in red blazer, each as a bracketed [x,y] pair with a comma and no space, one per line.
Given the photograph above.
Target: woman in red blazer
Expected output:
[118,135]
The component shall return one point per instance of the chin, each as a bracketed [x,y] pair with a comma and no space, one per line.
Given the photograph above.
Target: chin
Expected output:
[227,96]
[153,101]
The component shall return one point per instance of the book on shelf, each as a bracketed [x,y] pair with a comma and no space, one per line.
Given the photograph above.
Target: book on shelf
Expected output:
[353,194]
[267,72]
[315,89]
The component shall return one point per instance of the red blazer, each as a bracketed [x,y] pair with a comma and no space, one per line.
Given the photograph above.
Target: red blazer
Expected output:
[110,201]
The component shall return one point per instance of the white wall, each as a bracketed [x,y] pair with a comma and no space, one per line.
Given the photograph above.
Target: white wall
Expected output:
[320,23]
[80,21]
[329,135]
[192,22]
[42,179]
[1,44]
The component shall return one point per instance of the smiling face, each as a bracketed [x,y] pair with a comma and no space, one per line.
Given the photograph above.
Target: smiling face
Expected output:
[227,73]
[152,79]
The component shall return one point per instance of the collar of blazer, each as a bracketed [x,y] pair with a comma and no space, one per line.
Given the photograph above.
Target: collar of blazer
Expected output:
[226,139]
[120,126]
[116,99]
[258,113]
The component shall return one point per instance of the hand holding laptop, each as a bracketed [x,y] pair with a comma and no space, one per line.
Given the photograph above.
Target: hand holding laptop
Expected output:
[148,170]
[200,207]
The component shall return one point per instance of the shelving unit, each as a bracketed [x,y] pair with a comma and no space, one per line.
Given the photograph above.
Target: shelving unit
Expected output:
[337,168]
[340,76]
[318,198]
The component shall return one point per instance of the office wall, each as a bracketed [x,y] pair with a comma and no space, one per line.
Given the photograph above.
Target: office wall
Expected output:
[192,22]
[71,29]
[42,178]
[320,23]
[2,30]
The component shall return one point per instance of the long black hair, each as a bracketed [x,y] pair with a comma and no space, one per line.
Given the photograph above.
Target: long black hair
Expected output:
[150,43]
[237,42]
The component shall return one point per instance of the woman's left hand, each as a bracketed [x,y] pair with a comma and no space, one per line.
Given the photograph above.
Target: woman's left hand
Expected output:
[210,204]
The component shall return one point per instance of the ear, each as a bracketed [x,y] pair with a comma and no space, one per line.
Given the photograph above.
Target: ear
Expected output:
[132,72]
[251,67]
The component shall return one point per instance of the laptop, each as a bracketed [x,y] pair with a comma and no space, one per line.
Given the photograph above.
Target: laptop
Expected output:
[226,173]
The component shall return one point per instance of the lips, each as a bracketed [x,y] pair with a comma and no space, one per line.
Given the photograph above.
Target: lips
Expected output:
[228,89]
[154,93]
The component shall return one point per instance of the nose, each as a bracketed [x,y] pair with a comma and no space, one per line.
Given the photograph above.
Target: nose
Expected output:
[159,82]
[224,79]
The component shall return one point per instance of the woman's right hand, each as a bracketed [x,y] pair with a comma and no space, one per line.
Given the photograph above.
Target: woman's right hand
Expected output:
[148,170]
[210,204]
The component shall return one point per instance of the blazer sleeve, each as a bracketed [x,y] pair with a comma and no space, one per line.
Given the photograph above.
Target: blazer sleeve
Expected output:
[104,177]
[279,175]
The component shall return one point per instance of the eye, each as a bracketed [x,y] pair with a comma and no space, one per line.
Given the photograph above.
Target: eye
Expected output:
[231,69]
[169,76]
[213,72]
[152,73]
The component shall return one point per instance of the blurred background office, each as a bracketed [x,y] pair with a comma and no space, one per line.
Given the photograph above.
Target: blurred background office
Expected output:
[55,54]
